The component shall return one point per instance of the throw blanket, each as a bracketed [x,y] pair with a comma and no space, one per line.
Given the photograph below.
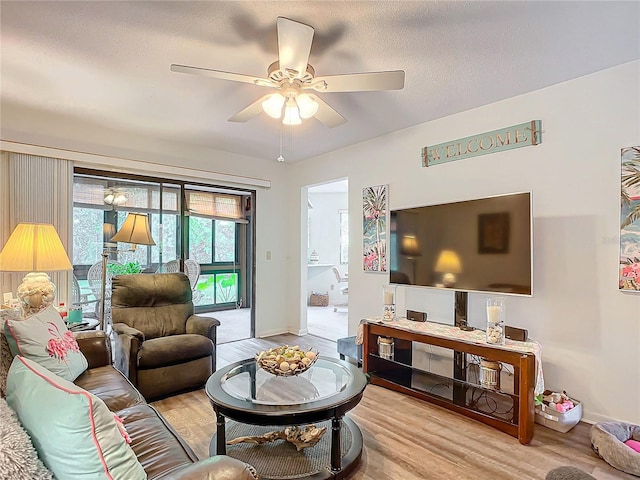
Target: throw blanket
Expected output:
[18,458]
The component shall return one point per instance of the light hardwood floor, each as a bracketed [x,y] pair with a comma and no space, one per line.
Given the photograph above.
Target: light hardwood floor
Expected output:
[407,439]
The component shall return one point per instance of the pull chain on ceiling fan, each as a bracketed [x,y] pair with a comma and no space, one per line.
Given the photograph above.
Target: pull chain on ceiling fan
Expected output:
[296,83]
[281,158]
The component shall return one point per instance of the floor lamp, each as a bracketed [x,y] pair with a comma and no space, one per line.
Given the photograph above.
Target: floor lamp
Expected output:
[135,230]
[35,248]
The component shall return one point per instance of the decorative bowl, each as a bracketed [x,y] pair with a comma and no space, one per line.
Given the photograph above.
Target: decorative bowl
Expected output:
[286,361]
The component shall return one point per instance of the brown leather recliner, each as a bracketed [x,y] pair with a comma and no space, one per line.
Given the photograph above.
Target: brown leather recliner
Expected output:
[160,345]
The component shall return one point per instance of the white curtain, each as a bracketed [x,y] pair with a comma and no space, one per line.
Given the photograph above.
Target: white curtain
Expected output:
[39,190]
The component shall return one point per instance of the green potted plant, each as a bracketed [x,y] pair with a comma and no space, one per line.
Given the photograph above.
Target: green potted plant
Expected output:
[124,269]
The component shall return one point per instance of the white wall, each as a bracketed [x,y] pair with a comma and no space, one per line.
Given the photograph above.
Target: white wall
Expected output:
[589,331]
[324,238]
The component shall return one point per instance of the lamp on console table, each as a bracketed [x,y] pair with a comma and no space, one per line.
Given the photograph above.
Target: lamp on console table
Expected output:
[34,248]
[135,230]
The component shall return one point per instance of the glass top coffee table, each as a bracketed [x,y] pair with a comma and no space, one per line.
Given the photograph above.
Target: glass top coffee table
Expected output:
[327,391]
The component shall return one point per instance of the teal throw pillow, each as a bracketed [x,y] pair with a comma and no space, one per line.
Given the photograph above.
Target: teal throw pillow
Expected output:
[45,339]
[74,432]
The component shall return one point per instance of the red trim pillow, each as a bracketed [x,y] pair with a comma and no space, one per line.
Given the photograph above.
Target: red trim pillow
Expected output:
[45,339]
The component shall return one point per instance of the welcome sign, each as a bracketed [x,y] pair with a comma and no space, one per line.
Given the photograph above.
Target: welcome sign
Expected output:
[522,135]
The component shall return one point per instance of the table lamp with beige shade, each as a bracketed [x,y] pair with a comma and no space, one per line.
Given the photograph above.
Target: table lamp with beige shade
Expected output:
[449,265]
[136,231]
[34,248]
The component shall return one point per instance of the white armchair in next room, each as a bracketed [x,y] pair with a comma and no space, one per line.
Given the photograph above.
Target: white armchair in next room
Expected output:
[343,286]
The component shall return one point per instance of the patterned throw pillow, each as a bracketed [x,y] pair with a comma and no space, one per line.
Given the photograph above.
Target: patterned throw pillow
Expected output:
[44,338]
[73,431]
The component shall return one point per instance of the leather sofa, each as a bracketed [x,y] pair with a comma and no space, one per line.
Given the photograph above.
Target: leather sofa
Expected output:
[160,450]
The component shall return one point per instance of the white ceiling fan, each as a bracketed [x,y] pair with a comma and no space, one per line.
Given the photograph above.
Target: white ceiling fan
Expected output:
[296,83]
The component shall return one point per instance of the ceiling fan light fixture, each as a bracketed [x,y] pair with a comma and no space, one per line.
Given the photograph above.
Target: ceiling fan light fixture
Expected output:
[291,114]
[291,75]
[119,199]
[308,106]
[272,106]
[108,199]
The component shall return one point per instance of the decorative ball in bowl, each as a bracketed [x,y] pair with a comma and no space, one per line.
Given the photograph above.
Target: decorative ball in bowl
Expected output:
[286,361]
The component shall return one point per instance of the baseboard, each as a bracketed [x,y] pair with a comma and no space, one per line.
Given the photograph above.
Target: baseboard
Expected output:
[301,333]
[592,418]
[271,333]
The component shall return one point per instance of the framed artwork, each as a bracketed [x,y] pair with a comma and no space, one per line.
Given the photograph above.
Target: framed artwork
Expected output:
[493,232]
[629,267]
[374,228]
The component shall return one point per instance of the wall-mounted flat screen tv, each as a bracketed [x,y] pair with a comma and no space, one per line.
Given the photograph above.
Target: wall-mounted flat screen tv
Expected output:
[482,245]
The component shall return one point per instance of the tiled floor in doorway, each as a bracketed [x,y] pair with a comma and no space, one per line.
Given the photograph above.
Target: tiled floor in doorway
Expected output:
[322,322]
[234,324]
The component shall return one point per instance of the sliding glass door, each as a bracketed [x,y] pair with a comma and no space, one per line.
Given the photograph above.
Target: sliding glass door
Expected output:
[197,229]
[212,244]
[215,239]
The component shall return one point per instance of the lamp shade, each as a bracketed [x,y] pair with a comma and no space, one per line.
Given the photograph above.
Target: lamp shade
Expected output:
[308,106]
[108,231]
[409,246]
[448,262]
[272,106]
[135,230]
[291,114]
[34,247]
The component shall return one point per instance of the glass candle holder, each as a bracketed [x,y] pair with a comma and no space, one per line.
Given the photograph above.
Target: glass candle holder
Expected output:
[389,303]
[386,347]
[495,320]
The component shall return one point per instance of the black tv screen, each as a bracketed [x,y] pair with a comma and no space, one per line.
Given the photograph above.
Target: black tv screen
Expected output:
[482,245]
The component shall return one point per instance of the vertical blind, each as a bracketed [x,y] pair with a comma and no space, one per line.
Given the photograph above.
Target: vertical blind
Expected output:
[36,190]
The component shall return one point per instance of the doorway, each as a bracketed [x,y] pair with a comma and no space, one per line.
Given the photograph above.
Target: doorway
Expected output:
[327,293]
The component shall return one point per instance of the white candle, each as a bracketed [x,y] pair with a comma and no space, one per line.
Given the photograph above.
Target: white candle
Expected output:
[388,298]
[493,313]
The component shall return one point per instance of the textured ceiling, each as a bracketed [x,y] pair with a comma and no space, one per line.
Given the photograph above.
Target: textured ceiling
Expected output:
[98,72]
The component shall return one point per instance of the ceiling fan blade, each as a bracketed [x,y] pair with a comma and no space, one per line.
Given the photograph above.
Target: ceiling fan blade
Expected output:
[234,77]
[294,46]
[249,112]
[360,82]
[326,114]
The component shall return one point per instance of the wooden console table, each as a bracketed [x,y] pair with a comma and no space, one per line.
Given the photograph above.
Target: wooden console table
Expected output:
[509,411]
